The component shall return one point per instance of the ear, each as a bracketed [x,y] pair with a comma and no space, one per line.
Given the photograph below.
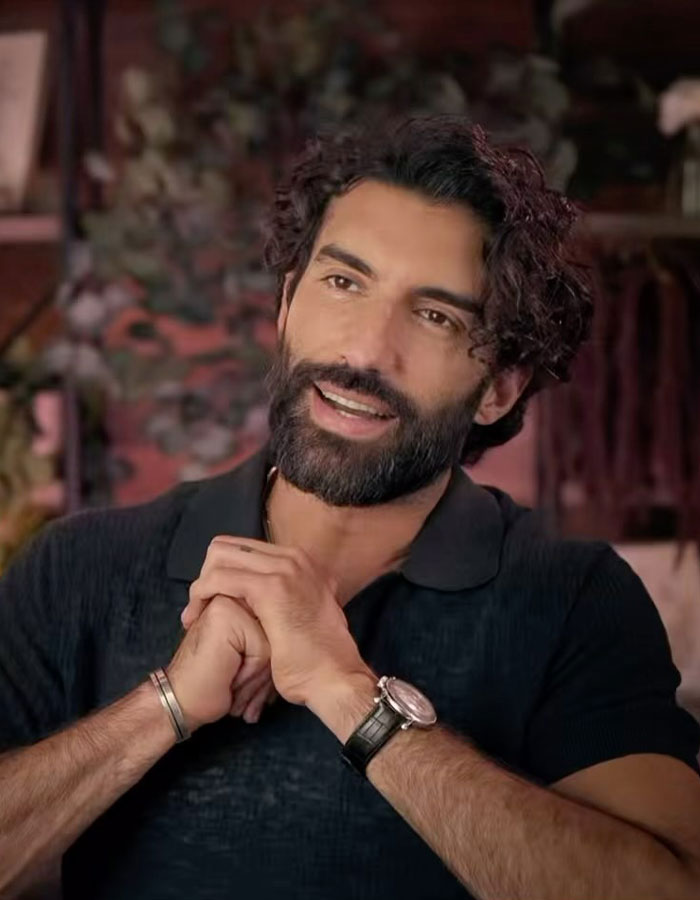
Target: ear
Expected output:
[502,393]
[284,305]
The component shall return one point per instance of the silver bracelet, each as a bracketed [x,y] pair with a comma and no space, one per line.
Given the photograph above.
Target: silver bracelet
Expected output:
[167,696]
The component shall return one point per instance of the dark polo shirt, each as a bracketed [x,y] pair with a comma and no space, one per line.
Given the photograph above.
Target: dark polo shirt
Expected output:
[548,654]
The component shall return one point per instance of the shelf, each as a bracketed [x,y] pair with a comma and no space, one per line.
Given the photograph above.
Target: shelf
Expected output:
[30,229]
[640,225]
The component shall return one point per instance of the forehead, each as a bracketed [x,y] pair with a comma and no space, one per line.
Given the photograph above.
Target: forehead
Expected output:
[390,226]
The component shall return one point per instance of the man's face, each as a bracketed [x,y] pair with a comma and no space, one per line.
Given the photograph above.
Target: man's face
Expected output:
[381,317]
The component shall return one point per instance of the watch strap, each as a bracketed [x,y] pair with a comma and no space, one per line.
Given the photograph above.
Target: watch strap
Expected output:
[370,736]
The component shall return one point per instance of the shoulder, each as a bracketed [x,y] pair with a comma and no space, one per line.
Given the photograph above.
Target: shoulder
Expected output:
[96,541]
[530,549]
[562,577]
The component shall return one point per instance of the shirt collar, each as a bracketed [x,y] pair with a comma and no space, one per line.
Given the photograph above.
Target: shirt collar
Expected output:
[458,547]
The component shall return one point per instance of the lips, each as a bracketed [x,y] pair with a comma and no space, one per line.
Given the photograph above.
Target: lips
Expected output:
[353,403]
[353,425]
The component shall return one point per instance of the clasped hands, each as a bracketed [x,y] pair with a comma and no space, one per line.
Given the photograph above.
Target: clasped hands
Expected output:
[260,619]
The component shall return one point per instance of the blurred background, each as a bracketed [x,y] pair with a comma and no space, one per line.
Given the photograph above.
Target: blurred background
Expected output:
[140,141]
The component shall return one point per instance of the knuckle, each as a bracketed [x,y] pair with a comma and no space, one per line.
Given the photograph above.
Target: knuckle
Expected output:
[219,608]
[217,549]
[332,583]
[213,551]
[300,557]
[210,581]
[278,582]
[288,568]
[195,589]
[201,587]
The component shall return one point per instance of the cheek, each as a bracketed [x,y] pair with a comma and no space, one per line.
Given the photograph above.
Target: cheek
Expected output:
[440,380]
[315,332]
[441,361]
[451,376]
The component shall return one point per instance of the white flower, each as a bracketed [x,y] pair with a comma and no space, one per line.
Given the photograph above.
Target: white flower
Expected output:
[138,86]
[211,442]
[679,105]
[87,314]
[98,167]
[58,357]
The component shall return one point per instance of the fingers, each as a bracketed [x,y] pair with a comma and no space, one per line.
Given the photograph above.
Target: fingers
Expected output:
[213,580]
[194,609]
[250,669]
[204,589]
[256,556]
[197,604]
[265,695]
[252,691]
[272,696]
[231,561]
[243,632]
[252,546]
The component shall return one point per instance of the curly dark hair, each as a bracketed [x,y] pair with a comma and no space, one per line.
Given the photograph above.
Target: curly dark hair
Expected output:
[536,304]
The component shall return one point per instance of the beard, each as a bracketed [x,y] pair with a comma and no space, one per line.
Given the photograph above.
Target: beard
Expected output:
[340,471]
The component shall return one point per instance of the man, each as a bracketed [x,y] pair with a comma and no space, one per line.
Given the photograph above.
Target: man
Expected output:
[425,294]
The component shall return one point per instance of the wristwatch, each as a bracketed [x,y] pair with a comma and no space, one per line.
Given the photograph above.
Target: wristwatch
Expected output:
[398,706]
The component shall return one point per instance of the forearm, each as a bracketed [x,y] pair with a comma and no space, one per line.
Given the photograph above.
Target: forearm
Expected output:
[52,790]
[505,837]
[502,836]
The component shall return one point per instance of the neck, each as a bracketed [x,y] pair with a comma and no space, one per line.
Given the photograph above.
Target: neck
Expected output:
[355,545]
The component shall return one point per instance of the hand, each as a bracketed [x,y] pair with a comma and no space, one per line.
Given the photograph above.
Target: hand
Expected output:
[222,665]
[294,600]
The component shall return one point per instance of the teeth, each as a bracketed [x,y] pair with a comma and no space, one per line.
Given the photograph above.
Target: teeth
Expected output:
[349,404]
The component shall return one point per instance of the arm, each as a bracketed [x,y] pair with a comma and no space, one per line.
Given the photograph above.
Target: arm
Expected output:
[56,780]
[54,789]
[51,791]
[504,837]
[625,824]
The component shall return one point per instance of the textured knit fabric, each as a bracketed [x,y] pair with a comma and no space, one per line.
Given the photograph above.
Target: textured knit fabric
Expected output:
[548,654]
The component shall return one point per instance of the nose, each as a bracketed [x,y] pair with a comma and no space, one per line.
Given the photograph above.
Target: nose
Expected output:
[371,339]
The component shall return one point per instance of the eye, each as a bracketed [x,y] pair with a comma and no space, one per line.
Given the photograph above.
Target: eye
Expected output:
[435,317]
[340,283]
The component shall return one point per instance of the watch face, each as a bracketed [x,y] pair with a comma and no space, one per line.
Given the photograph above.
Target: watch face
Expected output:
[411,702]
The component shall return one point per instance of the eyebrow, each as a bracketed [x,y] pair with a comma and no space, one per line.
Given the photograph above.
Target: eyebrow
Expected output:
[464,302]
[333,251]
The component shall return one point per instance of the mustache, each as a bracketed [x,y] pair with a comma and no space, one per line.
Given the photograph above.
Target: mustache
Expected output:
[366,381]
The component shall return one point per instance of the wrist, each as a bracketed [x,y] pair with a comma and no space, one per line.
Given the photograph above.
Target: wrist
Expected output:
[143,722]
[343,701]
[165,717]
